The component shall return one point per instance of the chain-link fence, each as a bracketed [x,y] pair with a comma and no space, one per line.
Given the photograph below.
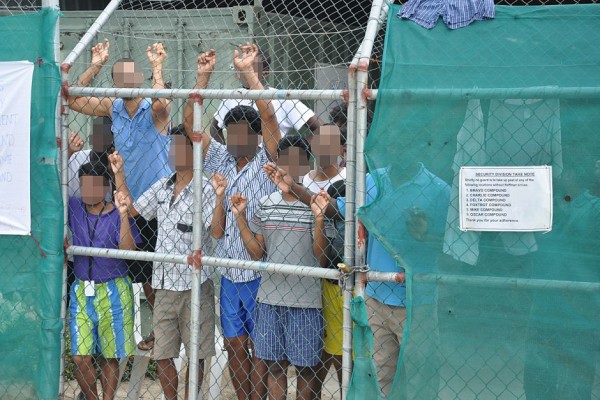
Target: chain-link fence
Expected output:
[277,315]
[208,223]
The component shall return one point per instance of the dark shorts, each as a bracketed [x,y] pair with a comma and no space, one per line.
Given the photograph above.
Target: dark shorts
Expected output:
[141,271]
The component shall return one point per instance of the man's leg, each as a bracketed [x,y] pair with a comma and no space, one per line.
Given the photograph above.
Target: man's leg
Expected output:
[206,333]
[259,379]
[168,340]
[306,379]
[110,377]
[239,364]
[277,380]
[167,375]
[85,373]
[327,360]
[333,311]
[238,301]
[387,323]
[200,378]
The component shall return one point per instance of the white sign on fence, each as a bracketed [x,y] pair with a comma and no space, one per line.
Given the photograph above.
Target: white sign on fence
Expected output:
[506,199]
[15,110]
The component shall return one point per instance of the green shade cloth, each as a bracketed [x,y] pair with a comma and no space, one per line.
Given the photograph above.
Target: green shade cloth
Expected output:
[32,266]
[496,315]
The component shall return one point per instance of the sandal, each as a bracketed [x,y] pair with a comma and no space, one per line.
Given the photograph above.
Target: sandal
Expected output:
[147,344]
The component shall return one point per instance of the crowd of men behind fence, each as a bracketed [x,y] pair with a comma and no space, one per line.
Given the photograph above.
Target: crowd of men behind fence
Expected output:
[133,190]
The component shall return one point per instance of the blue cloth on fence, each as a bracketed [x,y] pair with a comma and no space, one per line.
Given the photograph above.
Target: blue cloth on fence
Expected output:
[455,13]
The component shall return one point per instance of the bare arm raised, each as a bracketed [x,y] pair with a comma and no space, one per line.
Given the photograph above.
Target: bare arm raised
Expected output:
[90,105]
[244,61]
[161,107]
[206,66]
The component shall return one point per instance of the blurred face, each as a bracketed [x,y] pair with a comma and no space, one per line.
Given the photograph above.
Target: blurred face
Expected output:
[326,145]
[295,162]
[102,137]
[241,140]
[181,155]
[127,74]
[94,189]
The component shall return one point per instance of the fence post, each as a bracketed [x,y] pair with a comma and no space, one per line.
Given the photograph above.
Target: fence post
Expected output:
[197,248]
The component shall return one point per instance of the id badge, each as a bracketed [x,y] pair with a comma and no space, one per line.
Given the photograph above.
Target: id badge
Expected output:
[88,288]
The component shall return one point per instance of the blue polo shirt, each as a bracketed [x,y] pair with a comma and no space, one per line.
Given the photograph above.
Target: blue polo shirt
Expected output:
[424,191]
[144,149]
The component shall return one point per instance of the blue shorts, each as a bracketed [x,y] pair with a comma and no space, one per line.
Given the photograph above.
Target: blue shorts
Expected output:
[238,301]
[288,333]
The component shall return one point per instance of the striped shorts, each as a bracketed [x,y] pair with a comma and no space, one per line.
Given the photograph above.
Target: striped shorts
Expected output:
[102,324]
[288,333]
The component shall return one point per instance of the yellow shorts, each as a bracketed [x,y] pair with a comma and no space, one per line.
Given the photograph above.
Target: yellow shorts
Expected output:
[333,314]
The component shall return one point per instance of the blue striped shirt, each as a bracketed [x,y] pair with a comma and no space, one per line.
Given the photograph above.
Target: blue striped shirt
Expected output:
[455,13]
[254,184]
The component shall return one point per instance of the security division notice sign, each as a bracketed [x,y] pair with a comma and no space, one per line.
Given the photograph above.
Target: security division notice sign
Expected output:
[15,109]
[505,199]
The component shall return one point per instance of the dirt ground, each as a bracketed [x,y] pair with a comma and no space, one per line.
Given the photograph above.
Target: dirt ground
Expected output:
[151,389]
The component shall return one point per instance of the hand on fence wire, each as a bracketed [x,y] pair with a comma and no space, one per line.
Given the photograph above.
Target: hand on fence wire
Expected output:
[116,162]
[123,203]
[239,202]
[157,54]
[219,183]
[100,54]
[244,61]
[206,66]
[319,203]
[75,143]
[116,165]
[280,177]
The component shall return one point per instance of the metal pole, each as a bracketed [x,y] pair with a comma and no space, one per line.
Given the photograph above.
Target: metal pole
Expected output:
[209,93]
[62,161]
[349,230]
[288,269]
[378,13]
[92,32]
[491,93]
[355,178]
[196,245]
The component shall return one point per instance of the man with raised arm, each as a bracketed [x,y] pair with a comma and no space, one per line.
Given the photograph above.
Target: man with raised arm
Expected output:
[241,162]
[291,114]
[420,200]
[141,135]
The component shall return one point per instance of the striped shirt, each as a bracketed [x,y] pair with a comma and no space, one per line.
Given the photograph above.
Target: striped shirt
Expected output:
[288,231]
[455,13]
[175,223]
[252,182]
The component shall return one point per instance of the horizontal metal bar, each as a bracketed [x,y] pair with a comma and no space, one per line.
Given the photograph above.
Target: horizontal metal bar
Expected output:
[287,269]
[488,281]
[376,276]
[492,93]
[127,254]
[208,93]
[507,283]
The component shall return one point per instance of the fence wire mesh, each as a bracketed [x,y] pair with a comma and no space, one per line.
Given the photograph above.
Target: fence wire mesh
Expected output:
[295,52]
[270,327]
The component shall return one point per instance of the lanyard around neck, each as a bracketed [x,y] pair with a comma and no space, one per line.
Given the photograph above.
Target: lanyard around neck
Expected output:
[91,235]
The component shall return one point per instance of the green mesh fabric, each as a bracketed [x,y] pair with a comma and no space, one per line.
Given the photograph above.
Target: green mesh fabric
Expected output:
[31,268]
[497,315]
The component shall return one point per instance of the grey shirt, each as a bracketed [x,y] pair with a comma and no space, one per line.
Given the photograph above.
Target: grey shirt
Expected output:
[288,228]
